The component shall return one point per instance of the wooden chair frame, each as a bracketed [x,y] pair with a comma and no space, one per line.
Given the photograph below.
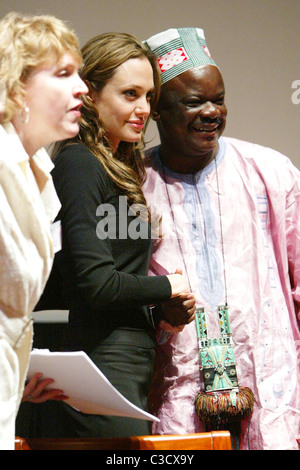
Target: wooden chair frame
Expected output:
[215,440]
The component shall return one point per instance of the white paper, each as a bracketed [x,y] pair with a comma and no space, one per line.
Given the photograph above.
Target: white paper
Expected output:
[89,391]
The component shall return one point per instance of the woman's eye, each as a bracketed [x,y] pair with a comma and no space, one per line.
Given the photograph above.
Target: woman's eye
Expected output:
[150,96]
[66,71]
[63,73]
[130,93]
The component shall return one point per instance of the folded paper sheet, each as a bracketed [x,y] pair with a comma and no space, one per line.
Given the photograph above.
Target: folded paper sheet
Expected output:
[88,389]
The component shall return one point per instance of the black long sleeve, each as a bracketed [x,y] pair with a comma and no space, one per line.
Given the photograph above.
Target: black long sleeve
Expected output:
[105,273]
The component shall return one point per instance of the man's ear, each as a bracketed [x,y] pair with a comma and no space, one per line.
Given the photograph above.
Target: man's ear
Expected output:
[155,116]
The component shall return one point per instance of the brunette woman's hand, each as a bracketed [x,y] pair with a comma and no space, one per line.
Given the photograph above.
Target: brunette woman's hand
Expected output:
[179,284]
[170,328]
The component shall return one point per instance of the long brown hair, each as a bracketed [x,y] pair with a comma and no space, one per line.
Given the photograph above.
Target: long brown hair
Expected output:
[102,55]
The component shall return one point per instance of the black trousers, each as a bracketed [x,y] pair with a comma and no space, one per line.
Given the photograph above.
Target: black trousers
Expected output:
[129,368]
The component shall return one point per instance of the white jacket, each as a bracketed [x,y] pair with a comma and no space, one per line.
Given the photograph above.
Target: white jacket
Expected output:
[28,205]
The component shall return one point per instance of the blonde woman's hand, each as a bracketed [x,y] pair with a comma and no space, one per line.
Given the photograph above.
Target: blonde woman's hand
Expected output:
[36,390]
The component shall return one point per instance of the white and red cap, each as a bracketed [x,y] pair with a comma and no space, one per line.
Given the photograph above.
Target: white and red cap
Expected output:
[178,50]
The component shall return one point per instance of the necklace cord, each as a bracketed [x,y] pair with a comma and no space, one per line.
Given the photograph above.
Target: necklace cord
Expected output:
[221,231]
[220,220]
[222,246]
[175,226]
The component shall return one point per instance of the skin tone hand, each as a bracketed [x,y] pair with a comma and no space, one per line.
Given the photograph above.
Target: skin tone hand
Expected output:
[178,311]
[179,284]
[170,328]
[36,390]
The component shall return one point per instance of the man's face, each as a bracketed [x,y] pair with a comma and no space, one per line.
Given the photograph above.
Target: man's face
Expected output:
[192,117]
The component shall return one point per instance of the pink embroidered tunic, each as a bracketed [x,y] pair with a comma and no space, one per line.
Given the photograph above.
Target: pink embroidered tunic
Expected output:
[255,221]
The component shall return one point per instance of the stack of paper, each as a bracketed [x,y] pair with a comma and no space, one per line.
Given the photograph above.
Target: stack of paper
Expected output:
[88,389]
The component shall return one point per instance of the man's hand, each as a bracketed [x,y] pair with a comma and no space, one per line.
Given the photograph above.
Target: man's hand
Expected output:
[179,310]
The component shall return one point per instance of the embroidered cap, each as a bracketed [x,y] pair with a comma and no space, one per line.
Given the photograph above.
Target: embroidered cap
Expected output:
[178,50]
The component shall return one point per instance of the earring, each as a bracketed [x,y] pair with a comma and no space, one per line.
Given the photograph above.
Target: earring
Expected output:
[25,115]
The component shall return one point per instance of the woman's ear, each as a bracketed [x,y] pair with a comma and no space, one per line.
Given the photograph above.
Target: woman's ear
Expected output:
[91,95]
[19,99]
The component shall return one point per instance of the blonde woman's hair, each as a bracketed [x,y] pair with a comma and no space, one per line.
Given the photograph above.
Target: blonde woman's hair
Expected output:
[102,55]
[26,43]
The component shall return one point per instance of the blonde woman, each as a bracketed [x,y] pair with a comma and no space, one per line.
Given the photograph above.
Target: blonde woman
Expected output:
[106,231]
[41,100]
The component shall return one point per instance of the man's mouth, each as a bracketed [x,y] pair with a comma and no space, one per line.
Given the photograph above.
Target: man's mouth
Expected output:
[206,128]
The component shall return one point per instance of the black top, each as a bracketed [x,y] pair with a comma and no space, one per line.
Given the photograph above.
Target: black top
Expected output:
[104,269]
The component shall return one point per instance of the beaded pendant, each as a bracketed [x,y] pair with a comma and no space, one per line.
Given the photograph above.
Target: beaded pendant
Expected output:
[222,404]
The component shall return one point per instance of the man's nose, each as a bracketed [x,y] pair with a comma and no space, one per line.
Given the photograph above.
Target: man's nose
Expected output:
[209,111]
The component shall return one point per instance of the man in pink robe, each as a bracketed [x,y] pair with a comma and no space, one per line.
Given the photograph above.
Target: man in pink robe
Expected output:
[230,220]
